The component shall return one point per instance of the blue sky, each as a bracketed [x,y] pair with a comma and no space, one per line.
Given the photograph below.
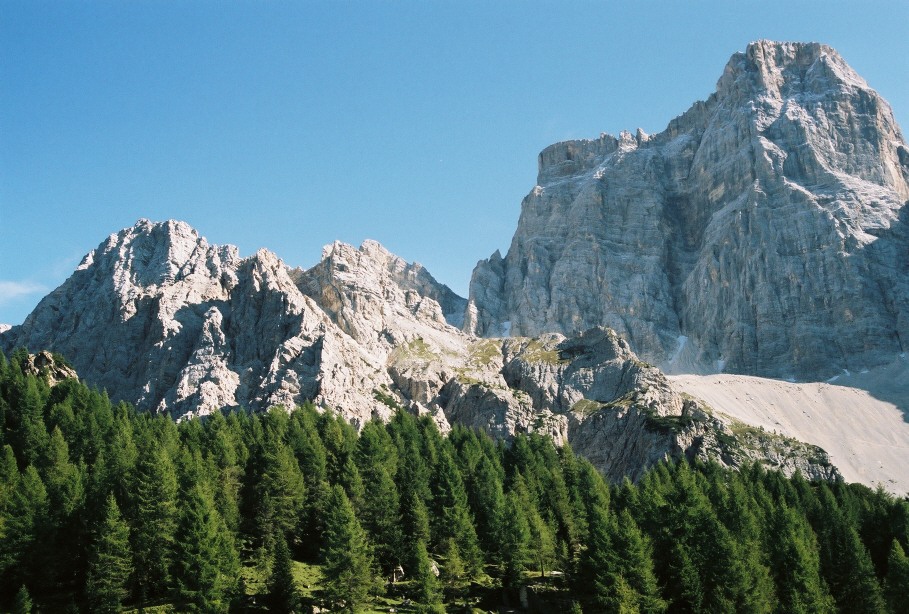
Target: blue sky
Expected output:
[288,125]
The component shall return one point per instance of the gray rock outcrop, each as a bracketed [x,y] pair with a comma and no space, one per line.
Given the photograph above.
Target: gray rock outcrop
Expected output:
[54,369]
[161,318]
[158,317]
[765,231]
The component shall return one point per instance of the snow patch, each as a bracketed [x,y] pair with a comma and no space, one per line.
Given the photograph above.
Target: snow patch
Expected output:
[720,365]
[506,328]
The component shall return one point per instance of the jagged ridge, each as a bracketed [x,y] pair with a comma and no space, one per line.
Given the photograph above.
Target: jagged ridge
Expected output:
[163,319]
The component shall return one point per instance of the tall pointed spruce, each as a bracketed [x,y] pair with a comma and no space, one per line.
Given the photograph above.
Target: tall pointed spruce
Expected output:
[23,603]
[283,596]
[426,585]
[154,520]
[348,562]
[110,564]
[897,585]
[515,533]
[205,566]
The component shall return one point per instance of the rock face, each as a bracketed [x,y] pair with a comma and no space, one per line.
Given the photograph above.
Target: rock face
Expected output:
[765,231]
[52,368]
[161,318]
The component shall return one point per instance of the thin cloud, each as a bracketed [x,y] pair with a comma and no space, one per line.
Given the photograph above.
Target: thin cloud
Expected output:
[12,290]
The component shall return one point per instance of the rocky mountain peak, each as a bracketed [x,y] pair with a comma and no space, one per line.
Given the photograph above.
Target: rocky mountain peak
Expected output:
[373,283]
[759,233]
[781,69]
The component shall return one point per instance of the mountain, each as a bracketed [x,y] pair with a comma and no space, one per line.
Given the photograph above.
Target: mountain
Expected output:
[161,318]
[765,231]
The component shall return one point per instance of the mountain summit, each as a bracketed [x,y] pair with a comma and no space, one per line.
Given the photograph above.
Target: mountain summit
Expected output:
[764,231]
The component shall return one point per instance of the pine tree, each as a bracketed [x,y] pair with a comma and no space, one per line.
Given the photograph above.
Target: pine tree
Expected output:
[29,436]
[381,516]
[348,563]
[204,563]
[62,559]
[452,514]
[631,570]
[897,584]
[282,489]
[414,526]
[515,533]
[154,520]
[542,541]
[307,445]
[488,500]
[25,529]
[796,564]
[283,596]
[454,572]
[427,592]
[845,562]
[110,562]
[23,603]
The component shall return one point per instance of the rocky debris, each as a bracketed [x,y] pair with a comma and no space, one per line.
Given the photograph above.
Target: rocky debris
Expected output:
[53,368]
[763,232]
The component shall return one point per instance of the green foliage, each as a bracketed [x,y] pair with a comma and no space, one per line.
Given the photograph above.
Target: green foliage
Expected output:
[514,549]
[204,562]
[897,585]
[110,562]
[427,591]
[153,512]
[89,492]
[348,563]
[283,596]
[796,564]
[23,603]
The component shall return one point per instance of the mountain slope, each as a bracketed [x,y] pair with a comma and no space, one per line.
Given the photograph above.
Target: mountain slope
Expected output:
[763,232]
[866,436]
[161,318]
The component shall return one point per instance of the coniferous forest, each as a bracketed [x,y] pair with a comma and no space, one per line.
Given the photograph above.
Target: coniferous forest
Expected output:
[104,509]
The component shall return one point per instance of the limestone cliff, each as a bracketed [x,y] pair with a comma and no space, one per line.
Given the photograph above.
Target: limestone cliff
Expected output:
[764,231]
[161,318]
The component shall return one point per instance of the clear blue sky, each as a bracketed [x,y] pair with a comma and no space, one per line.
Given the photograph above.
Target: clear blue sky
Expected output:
[288,125]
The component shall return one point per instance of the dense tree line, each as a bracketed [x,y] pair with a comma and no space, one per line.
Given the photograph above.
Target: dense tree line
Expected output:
[102,507]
